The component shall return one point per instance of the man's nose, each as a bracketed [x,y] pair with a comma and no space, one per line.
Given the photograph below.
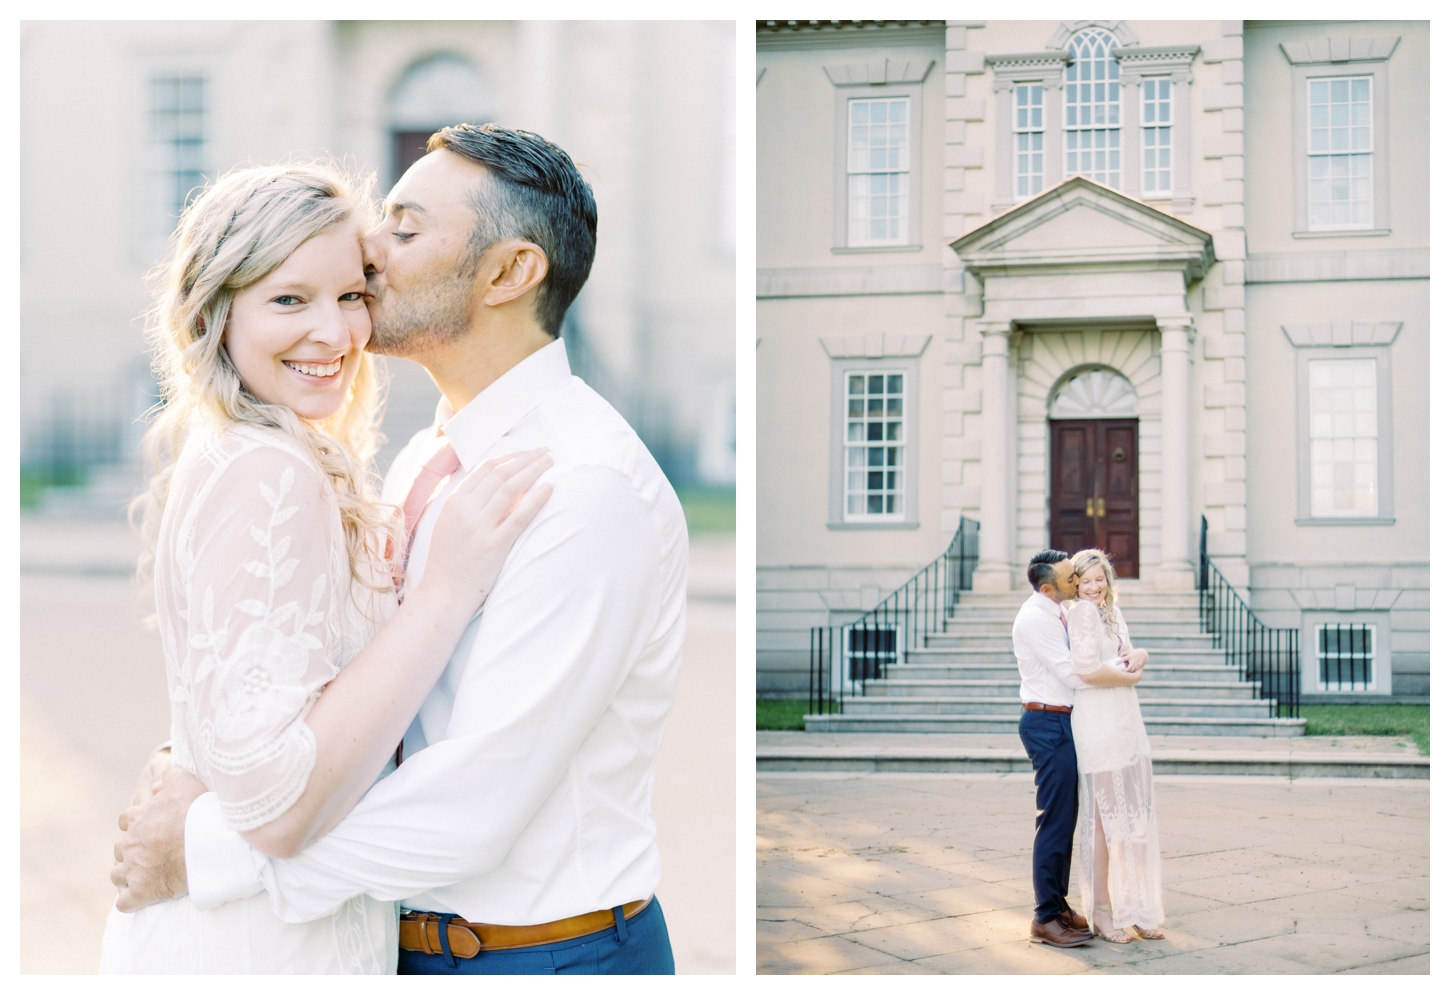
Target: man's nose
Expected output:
[373,252]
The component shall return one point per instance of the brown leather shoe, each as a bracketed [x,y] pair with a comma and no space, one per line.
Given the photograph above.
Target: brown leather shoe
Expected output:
[1056,934]
[1075,921]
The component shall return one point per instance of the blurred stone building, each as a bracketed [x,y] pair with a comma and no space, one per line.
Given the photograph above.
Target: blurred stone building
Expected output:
[122,120]
[1094,283]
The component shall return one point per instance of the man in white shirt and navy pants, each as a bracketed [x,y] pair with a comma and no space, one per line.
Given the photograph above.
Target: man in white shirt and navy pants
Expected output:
[517,829]
[1040,643]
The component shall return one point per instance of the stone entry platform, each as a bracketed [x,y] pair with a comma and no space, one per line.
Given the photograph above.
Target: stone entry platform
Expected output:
[961,753]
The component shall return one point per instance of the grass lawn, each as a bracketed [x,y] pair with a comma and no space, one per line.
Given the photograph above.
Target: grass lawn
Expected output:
[708,509]
[35,481]
[781,716]
[1369,720]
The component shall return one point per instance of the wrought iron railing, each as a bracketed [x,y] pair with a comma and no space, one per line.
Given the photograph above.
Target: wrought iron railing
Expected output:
[1266,656]
[842,657]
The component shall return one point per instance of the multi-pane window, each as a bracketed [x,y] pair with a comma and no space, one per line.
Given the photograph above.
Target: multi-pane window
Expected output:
[875,444]
[1157,137]
[1092,132]
[1343,438]
[1027,134]
[1341,153]
[879,171]
[178,139]
[1345,657]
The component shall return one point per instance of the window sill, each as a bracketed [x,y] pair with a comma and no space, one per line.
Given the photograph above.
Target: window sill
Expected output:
[1342,233]
[855,249]
[1344,521]
[871,526]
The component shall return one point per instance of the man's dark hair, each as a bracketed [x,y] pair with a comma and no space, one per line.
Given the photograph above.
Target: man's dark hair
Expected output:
[534,192]
[1040,571]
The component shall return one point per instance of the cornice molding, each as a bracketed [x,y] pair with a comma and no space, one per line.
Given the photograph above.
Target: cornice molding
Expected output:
[1177,60]
[1339,48]
[847,34]
[874,345]
[880,71]
[1342,333]
[1010,69]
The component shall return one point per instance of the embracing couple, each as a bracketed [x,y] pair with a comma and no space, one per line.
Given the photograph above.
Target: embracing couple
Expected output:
[441,701]
[1084,733]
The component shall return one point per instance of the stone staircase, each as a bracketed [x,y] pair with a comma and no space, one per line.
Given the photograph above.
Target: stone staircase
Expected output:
[965,680]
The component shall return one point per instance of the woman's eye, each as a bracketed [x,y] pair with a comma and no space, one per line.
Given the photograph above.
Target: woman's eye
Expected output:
[287,299]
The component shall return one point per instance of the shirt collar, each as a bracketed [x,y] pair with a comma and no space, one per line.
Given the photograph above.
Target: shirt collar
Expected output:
[502,404]
[1047,604]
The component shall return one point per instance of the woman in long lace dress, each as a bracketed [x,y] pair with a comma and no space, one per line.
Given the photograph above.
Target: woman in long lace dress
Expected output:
[1118,858]
[274,563]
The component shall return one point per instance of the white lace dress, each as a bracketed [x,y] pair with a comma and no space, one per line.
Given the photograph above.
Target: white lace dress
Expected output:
[257,611]
[1115,778]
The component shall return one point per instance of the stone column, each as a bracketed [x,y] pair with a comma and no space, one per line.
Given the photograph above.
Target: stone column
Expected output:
[999,418]
[1175,572]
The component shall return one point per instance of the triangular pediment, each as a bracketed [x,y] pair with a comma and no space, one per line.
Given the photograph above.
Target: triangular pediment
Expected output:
[1082,223]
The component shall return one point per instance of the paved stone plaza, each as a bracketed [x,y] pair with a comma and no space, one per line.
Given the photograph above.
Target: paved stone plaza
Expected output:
[927,874]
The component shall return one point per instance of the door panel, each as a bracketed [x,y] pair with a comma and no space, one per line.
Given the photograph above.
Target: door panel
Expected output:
[1094,488]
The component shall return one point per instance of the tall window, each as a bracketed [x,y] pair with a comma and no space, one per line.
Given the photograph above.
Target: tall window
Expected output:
[1094,146]
[1027,129]
[1343,438]
[1341,153]
[1157,137]
[875,445]
[879,171]
[178,141]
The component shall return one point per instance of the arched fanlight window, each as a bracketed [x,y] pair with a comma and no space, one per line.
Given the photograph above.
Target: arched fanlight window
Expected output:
[1092,113]
[438,92]
[1095,394]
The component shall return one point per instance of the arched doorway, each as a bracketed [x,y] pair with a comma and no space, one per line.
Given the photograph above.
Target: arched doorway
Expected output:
[438,92]
[1093,444]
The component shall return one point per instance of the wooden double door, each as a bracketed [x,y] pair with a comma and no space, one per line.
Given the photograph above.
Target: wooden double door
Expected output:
[1094,483]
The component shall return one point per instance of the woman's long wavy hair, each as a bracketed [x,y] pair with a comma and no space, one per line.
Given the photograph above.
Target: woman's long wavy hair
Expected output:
[1083,561]
[238,231]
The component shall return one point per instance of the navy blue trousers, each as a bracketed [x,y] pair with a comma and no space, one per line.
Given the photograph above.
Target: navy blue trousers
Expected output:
[631,946]
[1048,738]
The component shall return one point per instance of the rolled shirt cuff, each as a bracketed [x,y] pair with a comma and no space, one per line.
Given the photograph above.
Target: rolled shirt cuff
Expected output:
[220,866]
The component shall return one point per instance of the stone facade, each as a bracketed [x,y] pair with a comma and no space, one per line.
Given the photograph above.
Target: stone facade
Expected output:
[1209,296]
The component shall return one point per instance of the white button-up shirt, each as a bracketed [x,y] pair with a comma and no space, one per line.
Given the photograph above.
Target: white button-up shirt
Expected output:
[1039,641]
[525,793]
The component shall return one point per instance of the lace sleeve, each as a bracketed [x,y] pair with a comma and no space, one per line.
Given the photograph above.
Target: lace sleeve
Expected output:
[1084,633]
[262,631]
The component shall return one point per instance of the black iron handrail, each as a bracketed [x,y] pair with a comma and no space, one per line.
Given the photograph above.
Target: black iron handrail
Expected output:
[842,657]
[1264,655]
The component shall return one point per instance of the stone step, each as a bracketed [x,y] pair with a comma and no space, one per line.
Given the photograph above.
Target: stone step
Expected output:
[1139,615]
[1201,673]
[914,707]
[963,626]
[1126,596]
[1157,655]
[898,687]
[1156,726]
[969,640]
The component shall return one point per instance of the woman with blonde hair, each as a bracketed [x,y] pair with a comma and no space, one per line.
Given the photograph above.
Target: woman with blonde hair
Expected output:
[1120,874]
[292,668]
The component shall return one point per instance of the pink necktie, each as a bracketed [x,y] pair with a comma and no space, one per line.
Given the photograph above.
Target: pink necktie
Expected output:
[441,465]
[1062,615]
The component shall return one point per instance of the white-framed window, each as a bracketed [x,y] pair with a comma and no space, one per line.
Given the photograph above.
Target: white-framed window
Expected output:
[1343,438]
[1028,135]
[878,165]
[1092,109]
[875,434]
[1344,657]
[1341,152]
[1157,137]
[178,141]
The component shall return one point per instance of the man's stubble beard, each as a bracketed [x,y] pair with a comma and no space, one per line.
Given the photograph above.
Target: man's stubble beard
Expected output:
[430,315]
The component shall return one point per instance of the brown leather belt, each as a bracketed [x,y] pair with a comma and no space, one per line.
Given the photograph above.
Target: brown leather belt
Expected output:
[418,931]
[1037,706]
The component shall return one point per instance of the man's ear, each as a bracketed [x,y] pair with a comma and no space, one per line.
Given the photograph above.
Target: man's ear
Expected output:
[511,269]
